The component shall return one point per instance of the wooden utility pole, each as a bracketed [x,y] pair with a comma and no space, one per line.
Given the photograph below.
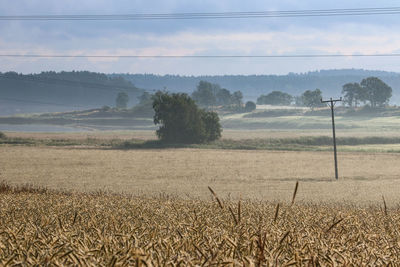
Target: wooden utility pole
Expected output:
[331,102]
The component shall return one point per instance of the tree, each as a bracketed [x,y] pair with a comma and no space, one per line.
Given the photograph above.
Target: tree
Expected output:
[122,100]
[209,94]
[312,99]
[250,106]
[275,98]
[237,98]
[182,121]
[204,94]
[353,93]
[223,97]
[377,92]
[145,97]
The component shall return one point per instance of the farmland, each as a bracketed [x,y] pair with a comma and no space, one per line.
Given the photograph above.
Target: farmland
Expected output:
[105,199]
[42,227]
[254,174]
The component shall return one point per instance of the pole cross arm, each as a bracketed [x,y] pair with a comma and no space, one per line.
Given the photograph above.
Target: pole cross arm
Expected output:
[331,100]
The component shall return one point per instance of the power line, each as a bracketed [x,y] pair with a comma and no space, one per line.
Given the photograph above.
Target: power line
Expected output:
[199,56]
[214,15]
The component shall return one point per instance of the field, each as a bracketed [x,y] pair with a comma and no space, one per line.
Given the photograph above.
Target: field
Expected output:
[89,199]
[51,228]
[266,175]
[322,123]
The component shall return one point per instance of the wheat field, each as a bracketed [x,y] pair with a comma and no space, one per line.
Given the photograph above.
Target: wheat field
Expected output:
[92,206]
[49,228]
[259,175]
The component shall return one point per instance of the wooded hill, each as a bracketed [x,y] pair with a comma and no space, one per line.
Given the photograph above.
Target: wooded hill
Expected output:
[79,90]
[330,82]
[61,91]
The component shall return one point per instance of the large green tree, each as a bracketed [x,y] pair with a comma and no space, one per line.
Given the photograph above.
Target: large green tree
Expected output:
[353,93]
[181,121]
[377,92]
[312,99]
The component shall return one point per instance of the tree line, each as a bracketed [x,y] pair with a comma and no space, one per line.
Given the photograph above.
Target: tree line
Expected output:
[371,91]
[211,95]
[207,95]
[292,83]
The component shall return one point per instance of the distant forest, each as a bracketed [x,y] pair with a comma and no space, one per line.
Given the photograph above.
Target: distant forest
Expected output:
[78,90]
[61,91]
[330,82]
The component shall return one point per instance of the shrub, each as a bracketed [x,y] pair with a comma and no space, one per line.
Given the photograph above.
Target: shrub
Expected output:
[275,98]
[105,108]
[250,106]
[2,135]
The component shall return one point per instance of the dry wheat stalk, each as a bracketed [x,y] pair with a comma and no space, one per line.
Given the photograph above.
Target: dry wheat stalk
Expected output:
[55,228]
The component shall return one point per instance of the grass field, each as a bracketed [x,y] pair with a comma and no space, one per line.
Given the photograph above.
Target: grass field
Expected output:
[281,119]
[345,124]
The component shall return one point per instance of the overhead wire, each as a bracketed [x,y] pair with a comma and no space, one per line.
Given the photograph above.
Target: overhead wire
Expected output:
[213,15]
[27,55]
[205,15]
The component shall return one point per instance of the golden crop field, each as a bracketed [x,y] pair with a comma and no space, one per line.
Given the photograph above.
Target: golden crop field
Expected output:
[49,228]
[80,205]
[253,174]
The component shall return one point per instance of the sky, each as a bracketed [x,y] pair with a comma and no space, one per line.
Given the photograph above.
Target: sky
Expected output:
[376,34]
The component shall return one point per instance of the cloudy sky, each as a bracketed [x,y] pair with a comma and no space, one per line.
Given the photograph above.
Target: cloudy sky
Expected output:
[377,34]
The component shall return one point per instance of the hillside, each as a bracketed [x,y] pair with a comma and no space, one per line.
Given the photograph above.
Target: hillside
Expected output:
[62,91]
[329,81]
